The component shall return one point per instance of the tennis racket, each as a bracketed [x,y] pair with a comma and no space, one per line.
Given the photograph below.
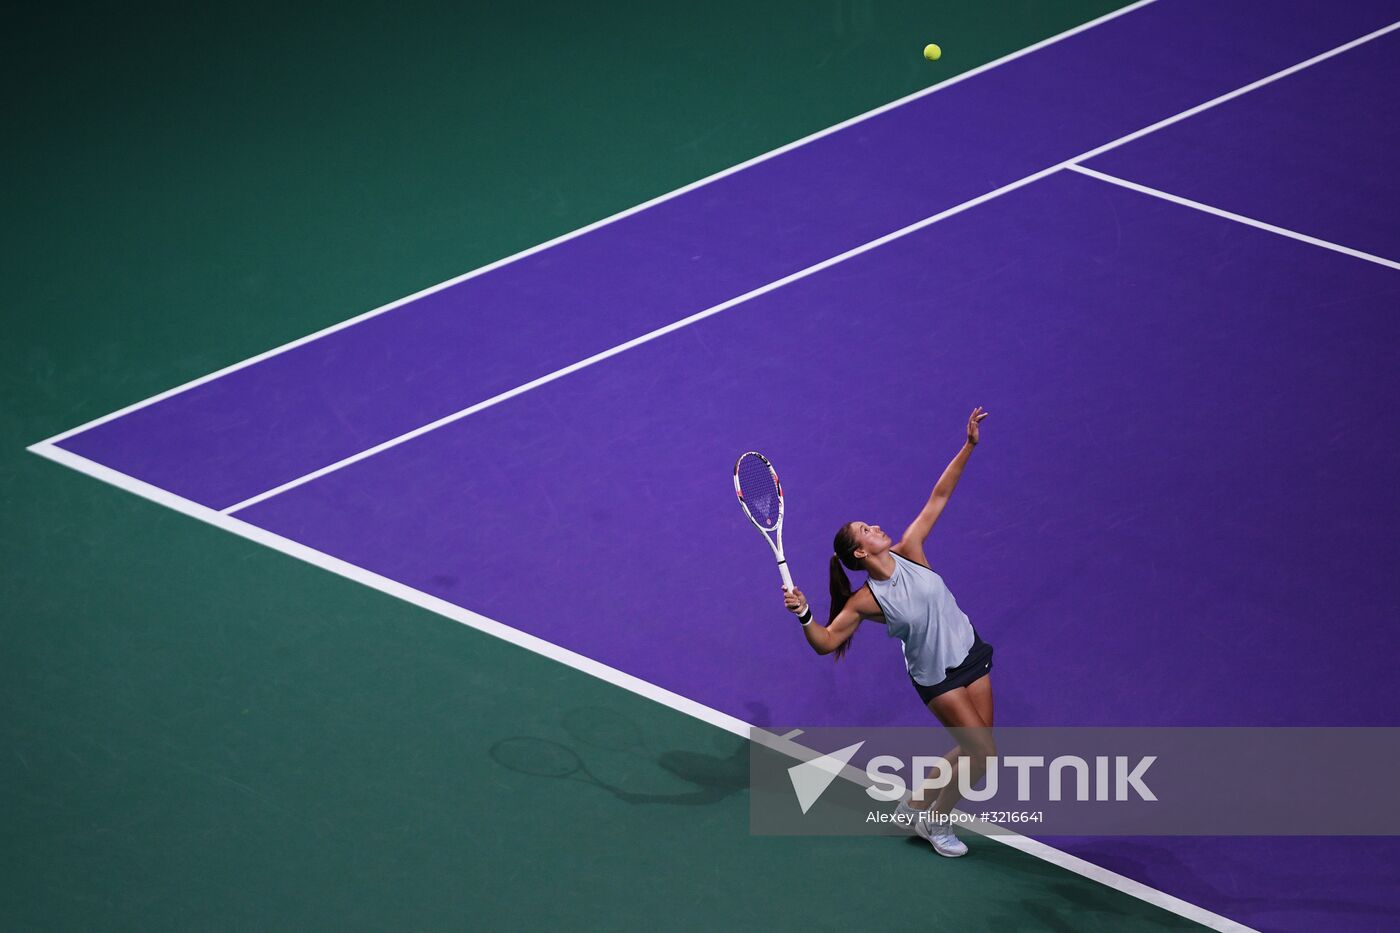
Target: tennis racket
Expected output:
[761,497]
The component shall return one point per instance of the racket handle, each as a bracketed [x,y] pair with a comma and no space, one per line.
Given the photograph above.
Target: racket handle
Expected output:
[787,577]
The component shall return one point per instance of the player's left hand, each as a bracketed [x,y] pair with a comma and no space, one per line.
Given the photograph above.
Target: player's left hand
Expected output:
[973,435]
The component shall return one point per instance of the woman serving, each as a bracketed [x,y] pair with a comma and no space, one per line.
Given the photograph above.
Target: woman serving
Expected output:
[948,664]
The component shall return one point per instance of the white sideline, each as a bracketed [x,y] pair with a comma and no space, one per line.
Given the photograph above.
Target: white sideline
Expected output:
[349,322]
[611,675]
[1071,163]
[1238,218]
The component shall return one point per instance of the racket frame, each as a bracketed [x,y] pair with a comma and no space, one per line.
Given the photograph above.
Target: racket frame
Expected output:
[777,529]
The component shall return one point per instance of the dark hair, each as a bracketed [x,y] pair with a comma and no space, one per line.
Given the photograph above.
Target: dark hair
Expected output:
[844,547]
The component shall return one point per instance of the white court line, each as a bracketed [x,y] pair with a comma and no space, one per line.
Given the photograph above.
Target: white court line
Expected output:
[611,675]
[801,274]
[1252,86]
[723,173]
[1239,218]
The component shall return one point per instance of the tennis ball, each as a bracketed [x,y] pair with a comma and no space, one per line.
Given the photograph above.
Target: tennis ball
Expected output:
[932,52]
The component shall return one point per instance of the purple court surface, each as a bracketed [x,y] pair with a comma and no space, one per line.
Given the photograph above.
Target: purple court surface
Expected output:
[1183,509]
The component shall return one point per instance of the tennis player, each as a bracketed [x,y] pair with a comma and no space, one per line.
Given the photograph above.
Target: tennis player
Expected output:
[948,664]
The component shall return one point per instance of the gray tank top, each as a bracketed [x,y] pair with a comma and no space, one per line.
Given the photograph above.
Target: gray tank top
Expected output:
[920,612]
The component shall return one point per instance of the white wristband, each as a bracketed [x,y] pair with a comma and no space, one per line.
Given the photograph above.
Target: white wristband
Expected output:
[805,616]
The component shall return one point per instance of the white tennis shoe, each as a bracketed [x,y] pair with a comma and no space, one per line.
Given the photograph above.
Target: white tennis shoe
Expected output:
[939,835]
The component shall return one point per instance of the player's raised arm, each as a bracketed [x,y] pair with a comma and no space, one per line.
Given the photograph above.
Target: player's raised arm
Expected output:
[912,543]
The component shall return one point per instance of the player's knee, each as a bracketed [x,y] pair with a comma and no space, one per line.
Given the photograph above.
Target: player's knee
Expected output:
[980,747]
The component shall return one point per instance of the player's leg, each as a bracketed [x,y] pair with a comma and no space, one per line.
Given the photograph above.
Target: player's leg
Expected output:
[956,710]
[923,796]
[980,692]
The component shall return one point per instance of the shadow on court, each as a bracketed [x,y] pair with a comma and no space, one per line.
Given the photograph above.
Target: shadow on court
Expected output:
[602,733]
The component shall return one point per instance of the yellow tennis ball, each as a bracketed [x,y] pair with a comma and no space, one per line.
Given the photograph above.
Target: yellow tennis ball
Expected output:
[932,52]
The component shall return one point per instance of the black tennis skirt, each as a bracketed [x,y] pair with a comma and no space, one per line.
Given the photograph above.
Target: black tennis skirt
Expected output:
[978,663]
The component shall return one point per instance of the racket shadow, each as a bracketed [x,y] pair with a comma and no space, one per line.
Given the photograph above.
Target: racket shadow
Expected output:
[600,730]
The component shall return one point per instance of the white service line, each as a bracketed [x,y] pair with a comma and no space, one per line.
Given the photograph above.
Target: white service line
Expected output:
[723,173]
[611,675]
[1239,218]
[801,274]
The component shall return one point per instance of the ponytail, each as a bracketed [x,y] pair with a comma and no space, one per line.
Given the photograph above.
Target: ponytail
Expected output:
[844,545]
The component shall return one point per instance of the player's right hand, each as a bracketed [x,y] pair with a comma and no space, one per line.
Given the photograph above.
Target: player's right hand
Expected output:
[973,433]
[794,602]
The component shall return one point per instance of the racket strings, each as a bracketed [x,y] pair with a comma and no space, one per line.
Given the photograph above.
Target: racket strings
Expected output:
[759,486]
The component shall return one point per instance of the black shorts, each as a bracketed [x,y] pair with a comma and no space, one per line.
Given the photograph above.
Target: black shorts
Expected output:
[977,663]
